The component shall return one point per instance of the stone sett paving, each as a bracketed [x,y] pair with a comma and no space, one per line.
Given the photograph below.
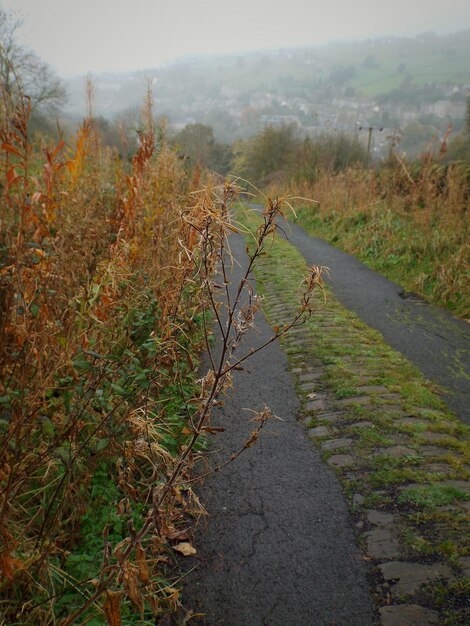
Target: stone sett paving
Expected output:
[363,435]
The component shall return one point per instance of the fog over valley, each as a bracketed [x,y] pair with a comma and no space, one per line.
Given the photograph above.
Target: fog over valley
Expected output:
[241,66]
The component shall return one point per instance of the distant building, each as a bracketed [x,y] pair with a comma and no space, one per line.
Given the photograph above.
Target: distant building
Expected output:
[279,120]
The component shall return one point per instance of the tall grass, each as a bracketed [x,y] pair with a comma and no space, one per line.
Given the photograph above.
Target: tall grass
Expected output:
[96,337]
[107,285]
[99,327]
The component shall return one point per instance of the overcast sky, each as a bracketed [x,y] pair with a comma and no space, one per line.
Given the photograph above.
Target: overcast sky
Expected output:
[80,36]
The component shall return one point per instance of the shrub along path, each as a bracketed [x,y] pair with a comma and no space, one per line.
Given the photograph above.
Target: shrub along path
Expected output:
[280,547]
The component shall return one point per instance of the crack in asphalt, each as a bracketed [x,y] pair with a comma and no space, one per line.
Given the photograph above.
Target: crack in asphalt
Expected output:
[257,535]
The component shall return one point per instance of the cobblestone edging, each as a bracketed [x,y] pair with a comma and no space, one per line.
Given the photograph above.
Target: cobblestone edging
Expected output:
[402,458]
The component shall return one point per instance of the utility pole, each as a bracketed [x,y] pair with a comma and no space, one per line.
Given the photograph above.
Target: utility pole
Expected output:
[370,130]
[394,141]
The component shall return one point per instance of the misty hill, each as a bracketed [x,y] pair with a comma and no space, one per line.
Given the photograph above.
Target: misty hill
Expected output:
[388,81]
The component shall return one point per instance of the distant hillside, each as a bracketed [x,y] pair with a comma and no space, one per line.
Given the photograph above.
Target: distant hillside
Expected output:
[371,67]
[387,81]
[382,65]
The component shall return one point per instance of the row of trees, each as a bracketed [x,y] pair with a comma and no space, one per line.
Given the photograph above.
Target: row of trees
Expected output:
[275,154]
[282,153]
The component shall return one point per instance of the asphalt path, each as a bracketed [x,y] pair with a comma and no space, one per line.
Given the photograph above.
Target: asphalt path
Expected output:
[437,343]
[279,548]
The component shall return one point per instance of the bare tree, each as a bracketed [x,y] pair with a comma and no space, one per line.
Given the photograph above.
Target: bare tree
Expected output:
[22,71]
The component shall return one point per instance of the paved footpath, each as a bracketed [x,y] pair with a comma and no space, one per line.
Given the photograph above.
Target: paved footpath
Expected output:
[279,548]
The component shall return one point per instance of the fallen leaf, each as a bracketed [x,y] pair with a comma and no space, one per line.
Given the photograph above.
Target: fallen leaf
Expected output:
[185,548]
